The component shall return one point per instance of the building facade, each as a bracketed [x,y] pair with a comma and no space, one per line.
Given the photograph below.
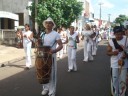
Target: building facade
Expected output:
[13,13]
[86,16]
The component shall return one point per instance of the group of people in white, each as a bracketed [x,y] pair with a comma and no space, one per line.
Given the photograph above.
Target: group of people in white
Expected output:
[63,41]
[70,37]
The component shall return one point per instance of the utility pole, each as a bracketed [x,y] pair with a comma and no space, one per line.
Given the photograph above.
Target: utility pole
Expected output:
[100,4]
[100,8]
[109,17]
[109,24]
[36,24]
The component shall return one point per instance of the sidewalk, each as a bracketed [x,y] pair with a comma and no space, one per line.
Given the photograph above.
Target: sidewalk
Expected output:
[11,54]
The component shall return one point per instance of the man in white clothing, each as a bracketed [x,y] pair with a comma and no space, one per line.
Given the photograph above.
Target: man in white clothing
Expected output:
[72,39]
[51,38]
[119,62]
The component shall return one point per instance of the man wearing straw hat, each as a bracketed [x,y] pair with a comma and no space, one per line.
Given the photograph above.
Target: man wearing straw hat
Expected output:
[51,38]
[119,62]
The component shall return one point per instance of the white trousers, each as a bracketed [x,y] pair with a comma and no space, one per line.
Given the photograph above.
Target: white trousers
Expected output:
[72,58]
[94,48]
[51,86]
[27,50]
[64,48]
[119,81]
[60,53]
[87,51]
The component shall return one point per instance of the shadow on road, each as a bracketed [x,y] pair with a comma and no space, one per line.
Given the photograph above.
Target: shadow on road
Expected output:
[91,79]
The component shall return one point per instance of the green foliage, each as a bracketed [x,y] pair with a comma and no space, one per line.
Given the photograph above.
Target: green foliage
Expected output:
[121,19]
[63,12]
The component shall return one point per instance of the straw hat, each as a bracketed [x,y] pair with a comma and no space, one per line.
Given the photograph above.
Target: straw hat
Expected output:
[49,20]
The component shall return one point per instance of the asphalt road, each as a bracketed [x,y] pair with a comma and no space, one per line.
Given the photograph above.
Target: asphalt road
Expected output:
[91,79]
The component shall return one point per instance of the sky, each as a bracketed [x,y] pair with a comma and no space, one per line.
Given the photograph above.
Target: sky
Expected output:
[113,7]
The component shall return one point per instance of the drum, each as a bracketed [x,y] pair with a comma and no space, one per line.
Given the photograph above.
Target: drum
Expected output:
[43,64]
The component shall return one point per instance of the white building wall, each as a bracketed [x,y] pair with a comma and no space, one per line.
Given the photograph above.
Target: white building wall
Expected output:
[15,6]
[82,19]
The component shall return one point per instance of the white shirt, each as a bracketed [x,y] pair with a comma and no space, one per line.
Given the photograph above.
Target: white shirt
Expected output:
[63,35]
[72,39]
[50,39]
[26,40]
[87,35]
[114,59]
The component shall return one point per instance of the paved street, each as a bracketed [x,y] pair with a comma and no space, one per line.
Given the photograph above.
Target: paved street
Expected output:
[91,79]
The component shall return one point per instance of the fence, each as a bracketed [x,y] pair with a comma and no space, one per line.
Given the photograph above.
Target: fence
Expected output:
[8,37]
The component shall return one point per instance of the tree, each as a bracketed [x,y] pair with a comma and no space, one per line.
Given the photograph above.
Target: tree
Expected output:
[63,12]
[121,19]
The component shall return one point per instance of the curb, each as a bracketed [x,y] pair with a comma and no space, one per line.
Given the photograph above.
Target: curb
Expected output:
[7,63]
[3,64]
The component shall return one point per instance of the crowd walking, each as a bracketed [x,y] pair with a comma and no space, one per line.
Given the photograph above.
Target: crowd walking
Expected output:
[65,41]
[61,42]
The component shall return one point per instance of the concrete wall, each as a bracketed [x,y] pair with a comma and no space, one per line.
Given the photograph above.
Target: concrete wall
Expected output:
[15,6]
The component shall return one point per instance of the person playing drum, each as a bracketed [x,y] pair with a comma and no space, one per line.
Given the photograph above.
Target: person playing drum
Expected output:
[51,38]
